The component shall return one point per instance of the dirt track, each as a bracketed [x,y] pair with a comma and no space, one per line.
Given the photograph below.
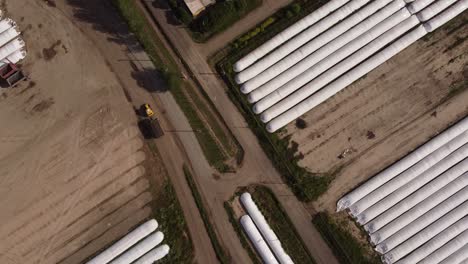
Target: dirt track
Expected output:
[71,179]
[257,168]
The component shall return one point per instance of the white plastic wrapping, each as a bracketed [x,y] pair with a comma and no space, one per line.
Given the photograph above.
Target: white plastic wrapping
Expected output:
[403,164]
[431,223]
[8,35]
[300,40]
[319,48]
[454,193]
[5,24]
[411,173]
[457,257]
[287,34]
[346,79]
[125,242]
[363,44]
[257,240]
[447,250]
[154,255]
[429,247]
[418,5]
[11,47]
[264,228]
[283,100]
[414,184]
[412,200]
[140,249]
[446,16]
[15,57]
[434,9]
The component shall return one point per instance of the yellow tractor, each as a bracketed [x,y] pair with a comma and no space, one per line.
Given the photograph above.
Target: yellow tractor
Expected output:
[149,125]
[146,109]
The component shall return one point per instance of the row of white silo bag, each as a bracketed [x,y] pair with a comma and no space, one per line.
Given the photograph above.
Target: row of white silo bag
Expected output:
[299,40]
[309,102]
[400,166]
[288,115]
[8,35]
[434,9]
[460,256]
[321,47]
[140,249]
[298,55]
[413,185]
[409,244]
[264,228]
[136,245]
[449,196]
[154,255]
[12,47]
[315,74]
[331,37]
[257,240]
[432,165]
[287,34]
[450,208]
[447,250]
[6,24]
[385,225]
[399,256]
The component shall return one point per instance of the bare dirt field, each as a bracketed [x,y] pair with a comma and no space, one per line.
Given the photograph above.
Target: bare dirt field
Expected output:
[389,112]
[72,177]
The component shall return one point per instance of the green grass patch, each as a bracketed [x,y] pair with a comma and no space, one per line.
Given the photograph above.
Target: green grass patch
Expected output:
[164,63]
[221,254]
[215,18]
[280,223]
[240,234]
[306,186]
[168,213]
[345,247]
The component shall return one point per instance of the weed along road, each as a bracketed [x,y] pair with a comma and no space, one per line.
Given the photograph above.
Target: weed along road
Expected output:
[256,168]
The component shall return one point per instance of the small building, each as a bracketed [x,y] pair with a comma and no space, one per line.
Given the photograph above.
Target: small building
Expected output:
[197,6]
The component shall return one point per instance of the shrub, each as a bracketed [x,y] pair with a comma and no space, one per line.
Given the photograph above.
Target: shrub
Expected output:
[301,123]
[296,8]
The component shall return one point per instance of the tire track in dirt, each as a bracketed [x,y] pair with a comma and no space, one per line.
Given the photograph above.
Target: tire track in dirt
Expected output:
[117,230]
[51,228]
[132,203]
[75,184]
[75,235]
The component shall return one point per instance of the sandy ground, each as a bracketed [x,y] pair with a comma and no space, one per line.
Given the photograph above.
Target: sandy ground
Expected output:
[256,168]
[388,113]
[71,174]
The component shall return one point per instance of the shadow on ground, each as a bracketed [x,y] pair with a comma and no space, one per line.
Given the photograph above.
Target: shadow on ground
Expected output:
[105,18]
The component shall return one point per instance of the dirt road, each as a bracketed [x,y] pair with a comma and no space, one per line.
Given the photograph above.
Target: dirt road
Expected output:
[257,168]
[101,23]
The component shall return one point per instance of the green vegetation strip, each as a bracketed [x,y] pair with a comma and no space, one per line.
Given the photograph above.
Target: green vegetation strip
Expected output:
[221,254]
[305,185]
[345,247]
[215,19]
[168,213]
[280,223]
[240,234]
[184,94]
